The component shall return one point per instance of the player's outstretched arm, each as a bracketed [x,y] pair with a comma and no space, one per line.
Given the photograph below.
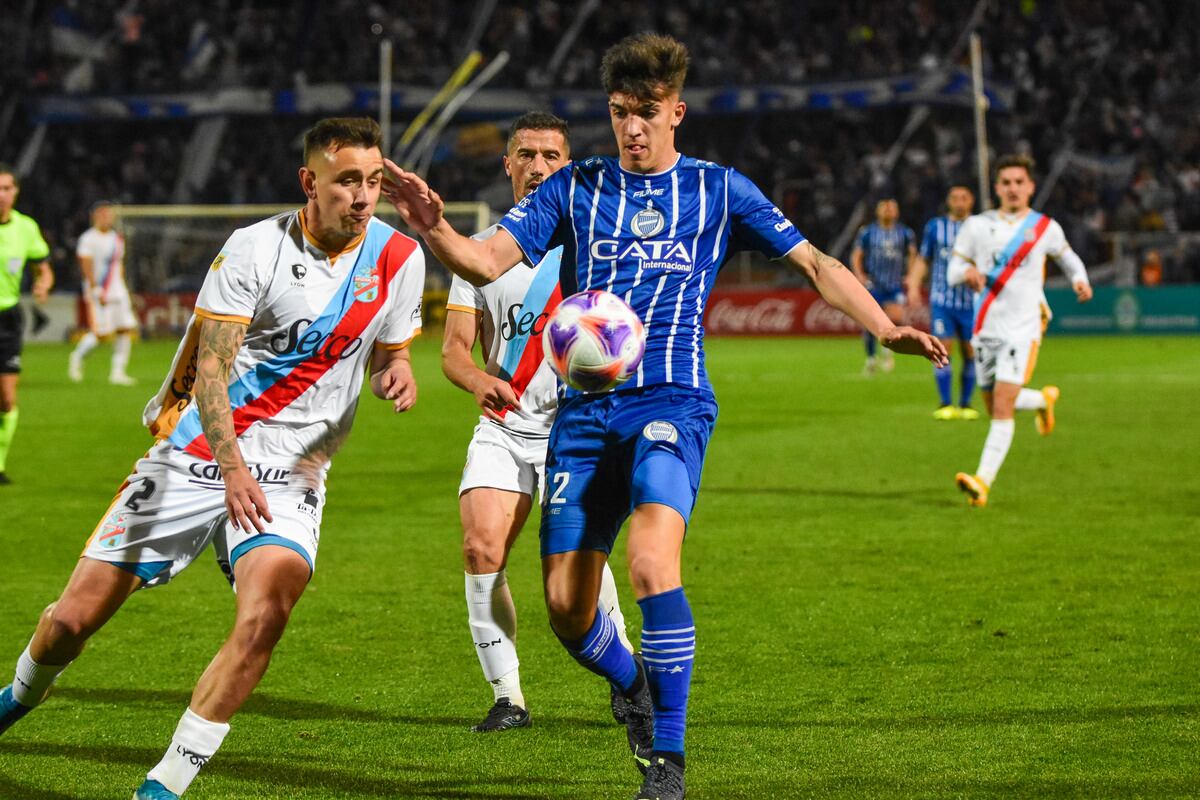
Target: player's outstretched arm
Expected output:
[842,291]
[244,499]
[475,261]
[492,394]
[392,377]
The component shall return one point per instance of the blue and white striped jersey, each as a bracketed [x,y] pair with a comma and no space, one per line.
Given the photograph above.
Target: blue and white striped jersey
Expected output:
[656,240]
[937,243]
[885,253]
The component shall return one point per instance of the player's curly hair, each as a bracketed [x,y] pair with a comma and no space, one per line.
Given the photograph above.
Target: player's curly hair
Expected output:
[645,65]
[334,133]
[1014,160]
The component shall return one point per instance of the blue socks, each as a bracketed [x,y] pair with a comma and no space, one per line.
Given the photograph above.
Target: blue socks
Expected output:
[943,376]
[668,648]
[869,341]
[601,651]
[967,383]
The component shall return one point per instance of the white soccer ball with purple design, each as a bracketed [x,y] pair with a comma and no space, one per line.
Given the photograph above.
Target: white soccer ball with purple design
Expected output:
[594,341]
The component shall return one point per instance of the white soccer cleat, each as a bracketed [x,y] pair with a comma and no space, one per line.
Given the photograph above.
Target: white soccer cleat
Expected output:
[75,370]
[887,362]
[122,379]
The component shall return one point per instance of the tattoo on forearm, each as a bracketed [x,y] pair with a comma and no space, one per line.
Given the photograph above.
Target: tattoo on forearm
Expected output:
[825,262]
[219,344]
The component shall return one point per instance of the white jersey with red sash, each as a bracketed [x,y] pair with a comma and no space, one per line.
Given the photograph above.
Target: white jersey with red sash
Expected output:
[106,249]
[514,311]
[312,321]
[1011,252]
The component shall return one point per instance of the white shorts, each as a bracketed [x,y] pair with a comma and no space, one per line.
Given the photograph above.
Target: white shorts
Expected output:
[1004,361]
[497,458]
[173,505]
[114,315]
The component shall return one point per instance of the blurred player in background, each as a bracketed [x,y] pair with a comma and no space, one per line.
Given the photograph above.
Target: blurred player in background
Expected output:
[518,394]
[652,226]
[884,252]
[294,309]
[1001,255]
[21,243]
[952,308]
[101,254]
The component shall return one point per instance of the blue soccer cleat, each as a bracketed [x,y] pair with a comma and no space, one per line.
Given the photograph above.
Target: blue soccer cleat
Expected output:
[153,790]
[10,709]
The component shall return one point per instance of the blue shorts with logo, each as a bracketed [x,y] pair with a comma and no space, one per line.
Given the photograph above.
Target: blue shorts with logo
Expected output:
[952,323]
[612,452]
[887,295]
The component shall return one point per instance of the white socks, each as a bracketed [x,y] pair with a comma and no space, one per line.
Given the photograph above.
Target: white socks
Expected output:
[1030,400]
[493,620]
[32,680]
[195,741]
[610,605]
[999,438]
[120,357]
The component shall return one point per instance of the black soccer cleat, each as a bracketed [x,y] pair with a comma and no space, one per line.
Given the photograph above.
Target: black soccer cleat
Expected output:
[664,781]
[639,718]
[617,702]
[4,479]
[503,716]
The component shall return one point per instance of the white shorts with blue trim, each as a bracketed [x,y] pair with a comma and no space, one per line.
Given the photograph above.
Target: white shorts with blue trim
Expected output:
[499,458]
[173,505]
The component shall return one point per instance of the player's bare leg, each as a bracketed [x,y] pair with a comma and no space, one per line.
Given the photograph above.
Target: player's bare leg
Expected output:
[8,418]
[118,371]
[270,579]
[93,594]
[1001,405]
[492,519]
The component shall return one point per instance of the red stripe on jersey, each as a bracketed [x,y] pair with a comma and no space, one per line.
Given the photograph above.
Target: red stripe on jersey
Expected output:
[533,355]
[394,255]
[998,285]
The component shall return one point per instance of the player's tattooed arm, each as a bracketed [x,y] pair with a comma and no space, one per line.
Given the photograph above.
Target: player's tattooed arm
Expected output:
[219,343]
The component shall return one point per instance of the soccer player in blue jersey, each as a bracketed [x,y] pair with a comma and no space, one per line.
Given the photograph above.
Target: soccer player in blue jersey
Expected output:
[884,252]
[952,308]
[654,227]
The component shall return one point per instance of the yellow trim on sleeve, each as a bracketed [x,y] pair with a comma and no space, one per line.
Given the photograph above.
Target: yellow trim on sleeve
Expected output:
[205,314]
[970,261]
[464,309]
[401,345]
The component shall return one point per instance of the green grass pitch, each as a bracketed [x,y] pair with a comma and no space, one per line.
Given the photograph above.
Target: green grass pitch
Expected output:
[862,633]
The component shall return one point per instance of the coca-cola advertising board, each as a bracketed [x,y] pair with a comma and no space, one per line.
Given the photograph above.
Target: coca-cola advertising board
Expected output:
[780,312]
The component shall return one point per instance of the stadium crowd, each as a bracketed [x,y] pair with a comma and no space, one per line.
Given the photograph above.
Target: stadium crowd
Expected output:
[1105,88]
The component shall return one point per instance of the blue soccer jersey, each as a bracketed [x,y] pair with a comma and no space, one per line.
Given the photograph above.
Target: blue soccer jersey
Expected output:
[885,253]
[936,245]
[656,240]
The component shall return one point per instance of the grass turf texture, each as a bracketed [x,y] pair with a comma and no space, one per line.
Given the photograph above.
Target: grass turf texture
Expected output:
[861,631]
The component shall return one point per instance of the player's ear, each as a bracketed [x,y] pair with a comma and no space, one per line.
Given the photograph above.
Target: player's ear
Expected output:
[507,168]
[678,112]
[308,182]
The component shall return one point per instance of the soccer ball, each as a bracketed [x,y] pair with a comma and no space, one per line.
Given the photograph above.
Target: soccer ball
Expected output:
[594,341]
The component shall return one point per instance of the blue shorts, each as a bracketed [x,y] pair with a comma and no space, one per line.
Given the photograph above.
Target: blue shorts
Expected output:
[952,323]
[610,453]
[887,295]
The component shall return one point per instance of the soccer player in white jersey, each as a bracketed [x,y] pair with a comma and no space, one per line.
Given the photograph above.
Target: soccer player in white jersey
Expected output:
[653,226]
[261,394]
[517,392]
[1001,254]
[101,254]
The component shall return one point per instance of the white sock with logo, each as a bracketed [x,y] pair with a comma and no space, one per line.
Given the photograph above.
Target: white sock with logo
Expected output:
[1030,400]
[493,620]
[194,743]
[120,357]
[999,439]
[32,681]
[610,605]
[86,344]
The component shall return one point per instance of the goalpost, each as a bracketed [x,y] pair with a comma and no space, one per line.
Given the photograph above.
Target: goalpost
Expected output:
[168,250]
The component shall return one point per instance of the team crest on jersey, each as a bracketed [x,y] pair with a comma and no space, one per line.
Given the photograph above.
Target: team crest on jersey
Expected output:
[112,532]
[216,264]
[660,431]
[366,283]
[647,222]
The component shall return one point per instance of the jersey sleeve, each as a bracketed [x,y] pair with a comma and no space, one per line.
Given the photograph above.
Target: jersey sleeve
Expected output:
[534,220]
[403,321]
[928,248]
[37,249]
[755,221]
[86,246]
[463,296]
[910,238]
[232,286]
[1067,259]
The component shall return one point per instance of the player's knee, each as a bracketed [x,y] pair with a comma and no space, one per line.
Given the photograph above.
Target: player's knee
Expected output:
[259,629]
[483,551]
[69,622]
[570,615]
[652,573]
